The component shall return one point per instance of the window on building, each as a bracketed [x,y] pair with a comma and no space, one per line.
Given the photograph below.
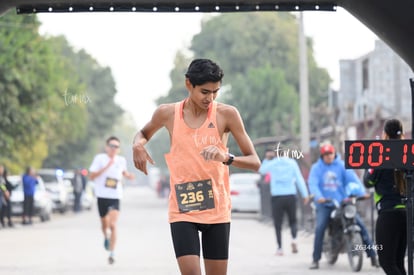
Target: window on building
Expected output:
[365,74]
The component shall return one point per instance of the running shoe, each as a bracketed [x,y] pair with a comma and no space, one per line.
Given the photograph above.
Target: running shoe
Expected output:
[111,260]
[106,244]
[314,265]
[294,248]
[279,252]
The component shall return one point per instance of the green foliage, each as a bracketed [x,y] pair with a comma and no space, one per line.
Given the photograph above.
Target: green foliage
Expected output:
[43,106]
[246,43]
[95,94]
[178,91]
[31,106]
[273,98]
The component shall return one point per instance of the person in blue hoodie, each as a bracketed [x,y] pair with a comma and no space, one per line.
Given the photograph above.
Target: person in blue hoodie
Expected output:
[285,181]
[29,187]
[328,182]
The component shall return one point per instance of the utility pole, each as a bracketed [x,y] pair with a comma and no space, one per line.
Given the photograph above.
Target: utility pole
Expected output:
[304,91]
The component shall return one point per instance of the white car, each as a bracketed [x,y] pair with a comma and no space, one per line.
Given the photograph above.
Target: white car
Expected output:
[57,188]
[245,193]
[42,200]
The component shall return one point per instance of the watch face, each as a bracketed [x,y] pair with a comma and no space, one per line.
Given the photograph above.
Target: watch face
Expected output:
[381,154]
[230,160]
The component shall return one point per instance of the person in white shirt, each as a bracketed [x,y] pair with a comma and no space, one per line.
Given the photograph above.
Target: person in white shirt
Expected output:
[107,171]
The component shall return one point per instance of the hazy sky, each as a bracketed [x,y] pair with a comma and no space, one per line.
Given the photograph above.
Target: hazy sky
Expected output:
[140,47]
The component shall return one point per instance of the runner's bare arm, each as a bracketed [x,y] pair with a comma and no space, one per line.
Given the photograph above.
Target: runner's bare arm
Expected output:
[159,119]
[234,124]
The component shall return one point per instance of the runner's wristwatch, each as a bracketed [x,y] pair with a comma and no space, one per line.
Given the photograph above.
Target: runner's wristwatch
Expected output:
[230,160]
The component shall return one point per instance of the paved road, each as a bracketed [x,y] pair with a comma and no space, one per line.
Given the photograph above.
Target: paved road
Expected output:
[72,244]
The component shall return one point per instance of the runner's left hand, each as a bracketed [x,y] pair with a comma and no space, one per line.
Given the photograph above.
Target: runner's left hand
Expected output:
[212,152]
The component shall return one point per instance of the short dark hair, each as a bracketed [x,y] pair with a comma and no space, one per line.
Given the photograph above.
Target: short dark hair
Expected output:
[393,128]
[202,71]
[112,138]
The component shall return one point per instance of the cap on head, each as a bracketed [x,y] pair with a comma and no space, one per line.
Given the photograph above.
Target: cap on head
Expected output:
[327,149]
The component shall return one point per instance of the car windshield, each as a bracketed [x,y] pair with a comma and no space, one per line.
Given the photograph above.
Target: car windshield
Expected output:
[48,178]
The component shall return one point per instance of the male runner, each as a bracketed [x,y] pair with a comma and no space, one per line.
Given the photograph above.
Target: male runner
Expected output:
[198,164]
[107,170]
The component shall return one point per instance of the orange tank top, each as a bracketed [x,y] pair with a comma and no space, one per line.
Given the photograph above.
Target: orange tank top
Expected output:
[200,190]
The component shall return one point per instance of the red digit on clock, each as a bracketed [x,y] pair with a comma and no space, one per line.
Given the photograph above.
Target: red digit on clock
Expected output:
[404,159]
[361,154]
[412,151]
[380,156]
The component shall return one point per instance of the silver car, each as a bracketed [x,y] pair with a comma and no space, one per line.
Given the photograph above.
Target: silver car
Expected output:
[57,188]
[42,200]
[245,193]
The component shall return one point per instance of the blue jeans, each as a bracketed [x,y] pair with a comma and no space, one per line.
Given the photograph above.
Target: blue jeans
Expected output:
[365,237]
[323,213]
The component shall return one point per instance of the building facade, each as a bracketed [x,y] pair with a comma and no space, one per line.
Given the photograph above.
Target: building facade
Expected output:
[374,86]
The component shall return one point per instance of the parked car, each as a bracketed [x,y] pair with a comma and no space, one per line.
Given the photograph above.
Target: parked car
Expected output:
[42,200]
[56,186]
[245,193]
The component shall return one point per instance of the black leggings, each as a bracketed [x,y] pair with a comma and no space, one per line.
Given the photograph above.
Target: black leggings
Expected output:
[5,212]
[281,205]
[391,239]
[214,238]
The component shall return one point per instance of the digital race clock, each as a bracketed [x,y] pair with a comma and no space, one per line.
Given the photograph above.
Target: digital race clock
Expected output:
[362,154]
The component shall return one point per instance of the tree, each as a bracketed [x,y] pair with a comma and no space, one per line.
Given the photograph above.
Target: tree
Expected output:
[96,95]
[53,101]
[31,106]
[245,43]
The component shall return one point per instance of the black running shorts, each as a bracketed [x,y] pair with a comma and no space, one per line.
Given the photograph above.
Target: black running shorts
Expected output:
[214,239]
[105,205]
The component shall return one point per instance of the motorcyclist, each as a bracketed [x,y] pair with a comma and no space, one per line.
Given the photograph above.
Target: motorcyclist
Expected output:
[329,181]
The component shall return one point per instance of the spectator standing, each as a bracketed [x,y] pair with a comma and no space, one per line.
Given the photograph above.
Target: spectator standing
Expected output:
[390,192]
[78,184]
[29,188]
[5,211]
[3,192]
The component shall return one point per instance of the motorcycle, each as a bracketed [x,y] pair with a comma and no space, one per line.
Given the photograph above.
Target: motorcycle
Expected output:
[343,234]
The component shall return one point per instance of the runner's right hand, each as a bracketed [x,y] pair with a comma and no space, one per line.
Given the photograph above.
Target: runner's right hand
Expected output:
[141,157]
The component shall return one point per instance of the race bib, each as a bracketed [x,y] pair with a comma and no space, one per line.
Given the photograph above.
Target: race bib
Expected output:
[194,196]
[111,183]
